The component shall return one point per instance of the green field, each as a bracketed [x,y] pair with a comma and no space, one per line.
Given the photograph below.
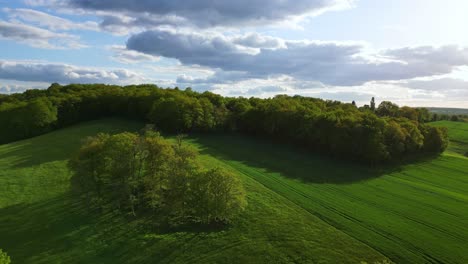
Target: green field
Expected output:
[302,208]
[458,134]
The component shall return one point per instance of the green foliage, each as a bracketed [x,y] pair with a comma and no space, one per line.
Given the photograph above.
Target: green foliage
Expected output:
[216,195]
[26,119]
[436,139]
[337,129]
[4,258]
[387,108]
[148,173]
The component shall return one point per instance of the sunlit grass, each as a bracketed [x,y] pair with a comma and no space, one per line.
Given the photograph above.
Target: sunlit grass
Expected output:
[42,223]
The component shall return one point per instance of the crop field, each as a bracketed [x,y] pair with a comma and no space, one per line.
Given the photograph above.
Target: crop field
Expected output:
[302,208]
[458,134]
[416,213]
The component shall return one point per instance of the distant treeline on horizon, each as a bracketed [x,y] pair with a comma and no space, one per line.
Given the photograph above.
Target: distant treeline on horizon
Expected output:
[370,134]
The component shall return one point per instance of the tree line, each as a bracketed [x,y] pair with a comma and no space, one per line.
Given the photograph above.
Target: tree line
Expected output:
[370,134]
[141,174]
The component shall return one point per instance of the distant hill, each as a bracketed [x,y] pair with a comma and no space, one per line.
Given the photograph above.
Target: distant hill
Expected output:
[448,111]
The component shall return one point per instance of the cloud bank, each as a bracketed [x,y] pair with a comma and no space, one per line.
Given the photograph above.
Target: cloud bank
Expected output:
[64,73]
[38,37]
[327,62]
[207,13]
[49,21]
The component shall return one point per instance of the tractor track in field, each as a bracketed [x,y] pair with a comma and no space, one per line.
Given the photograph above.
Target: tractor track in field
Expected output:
[397,213]
[415,250]
[320,216]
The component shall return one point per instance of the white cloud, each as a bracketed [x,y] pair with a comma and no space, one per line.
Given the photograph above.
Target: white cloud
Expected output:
[49,21]
[202,13]
[38,37]
[332,63]
[65,73]
[123,55]
[443,84]
[255,40]
[204,37]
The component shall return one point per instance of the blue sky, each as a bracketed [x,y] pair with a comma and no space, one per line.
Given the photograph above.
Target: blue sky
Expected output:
[411,52]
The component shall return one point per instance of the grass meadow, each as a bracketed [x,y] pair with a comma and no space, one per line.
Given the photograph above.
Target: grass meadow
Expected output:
[302,208]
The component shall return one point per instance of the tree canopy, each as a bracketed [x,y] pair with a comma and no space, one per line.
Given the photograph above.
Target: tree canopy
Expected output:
[4,258]
[147,173]
[367,134]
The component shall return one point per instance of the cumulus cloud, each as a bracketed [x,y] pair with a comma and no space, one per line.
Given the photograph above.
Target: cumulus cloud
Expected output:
[38,37]
[265,90]
[443,84]
[331,63]
[445,55]
[49,21]
[123,24]
[207,13]
[64,73]
[255,40]
[11,89]
[218,77]
[123,55]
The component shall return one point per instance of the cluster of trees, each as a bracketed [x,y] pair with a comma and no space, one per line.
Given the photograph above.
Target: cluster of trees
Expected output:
[26,118]
[4,258]
[370,134]
[344,130]
[447,117]
[387,108]
[147,173]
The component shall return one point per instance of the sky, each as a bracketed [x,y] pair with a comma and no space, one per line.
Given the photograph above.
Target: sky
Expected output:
[410,52]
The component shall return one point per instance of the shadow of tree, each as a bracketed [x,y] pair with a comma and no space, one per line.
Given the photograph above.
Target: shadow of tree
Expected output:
[60,144]
[61,230]
[290,161]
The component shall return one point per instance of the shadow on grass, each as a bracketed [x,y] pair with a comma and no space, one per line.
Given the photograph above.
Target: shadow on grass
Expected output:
[193,228]
[60,144]
[291,161]
[62,230]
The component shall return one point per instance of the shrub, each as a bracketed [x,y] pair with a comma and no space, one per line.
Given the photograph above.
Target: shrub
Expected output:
[4,258]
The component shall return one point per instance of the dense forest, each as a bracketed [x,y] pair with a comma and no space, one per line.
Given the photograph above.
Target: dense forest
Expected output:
[370,134]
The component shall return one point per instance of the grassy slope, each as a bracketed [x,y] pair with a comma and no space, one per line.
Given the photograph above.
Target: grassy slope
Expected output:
[41,223]
[458,134]
[417,213]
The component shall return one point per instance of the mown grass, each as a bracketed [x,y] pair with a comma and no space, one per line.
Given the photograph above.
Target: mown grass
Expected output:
[40,222]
